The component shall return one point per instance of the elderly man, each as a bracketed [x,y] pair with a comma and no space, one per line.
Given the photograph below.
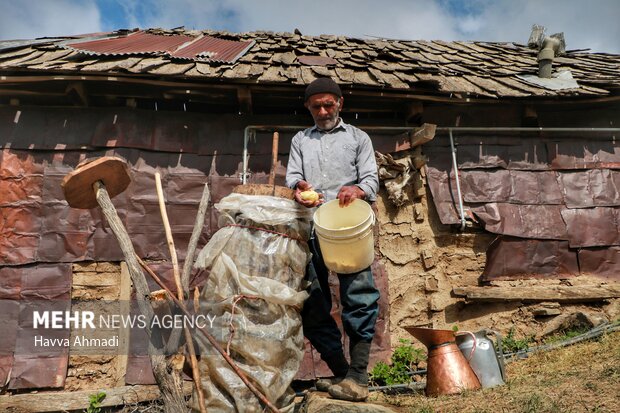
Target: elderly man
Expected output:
[337,160]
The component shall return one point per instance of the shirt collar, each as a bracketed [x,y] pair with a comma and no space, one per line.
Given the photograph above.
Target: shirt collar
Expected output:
[339,125]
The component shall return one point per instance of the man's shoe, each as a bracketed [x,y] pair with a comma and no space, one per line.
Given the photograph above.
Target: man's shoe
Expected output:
[325,383]
[349,390]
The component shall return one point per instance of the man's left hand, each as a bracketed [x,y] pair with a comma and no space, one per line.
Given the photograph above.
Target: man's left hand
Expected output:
[348,194]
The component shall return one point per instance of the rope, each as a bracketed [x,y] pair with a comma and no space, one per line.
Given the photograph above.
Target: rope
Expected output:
[282,234]
[231,326]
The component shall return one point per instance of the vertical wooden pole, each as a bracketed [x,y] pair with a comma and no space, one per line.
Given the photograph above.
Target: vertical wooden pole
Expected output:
[274,159]
[170,384]
[180,292]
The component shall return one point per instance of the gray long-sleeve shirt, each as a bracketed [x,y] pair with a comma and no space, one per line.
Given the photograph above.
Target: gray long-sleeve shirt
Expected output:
[331,160]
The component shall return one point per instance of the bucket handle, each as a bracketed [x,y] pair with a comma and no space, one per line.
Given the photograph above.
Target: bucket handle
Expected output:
[473,347]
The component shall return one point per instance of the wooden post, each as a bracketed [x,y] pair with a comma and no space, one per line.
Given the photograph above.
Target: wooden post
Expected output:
[169,383]
[274,158]
[180,292]
[168,231]
[193,241]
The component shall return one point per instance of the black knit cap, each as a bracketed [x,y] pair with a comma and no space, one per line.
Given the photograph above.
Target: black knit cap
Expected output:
[322,85]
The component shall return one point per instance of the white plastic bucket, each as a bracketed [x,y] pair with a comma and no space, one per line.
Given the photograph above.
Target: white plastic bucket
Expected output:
[345,235]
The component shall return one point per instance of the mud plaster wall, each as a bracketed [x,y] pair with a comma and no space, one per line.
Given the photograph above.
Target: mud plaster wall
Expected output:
[425,260]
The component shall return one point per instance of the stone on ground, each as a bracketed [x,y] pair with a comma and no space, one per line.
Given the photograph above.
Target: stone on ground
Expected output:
[315,403]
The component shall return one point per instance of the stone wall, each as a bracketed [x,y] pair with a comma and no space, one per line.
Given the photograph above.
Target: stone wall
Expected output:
[95,282]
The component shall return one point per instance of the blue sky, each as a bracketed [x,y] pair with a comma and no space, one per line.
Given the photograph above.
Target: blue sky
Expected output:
[592,24]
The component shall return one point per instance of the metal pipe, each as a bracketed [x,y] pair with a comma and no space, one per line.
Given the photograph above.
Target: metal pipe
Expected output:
[458,182]
[419,385]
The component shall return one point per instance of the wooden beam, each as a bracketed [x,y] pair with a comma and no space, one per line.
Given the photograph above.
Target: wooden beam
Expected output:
[423,134]
[415,110]
[78,400]
[558,293]
[77,93]
[529,112]
[244,96]
[391,94]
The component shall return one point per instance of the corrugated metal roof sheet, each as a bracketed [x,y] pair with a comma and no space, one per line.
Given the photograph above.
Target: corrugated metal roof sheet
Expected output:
[138,42]
[174,45]
[219,50]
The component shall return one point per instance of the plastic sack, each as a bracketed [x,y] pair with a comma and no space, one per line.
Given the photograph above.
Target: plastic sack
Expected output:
[254,294]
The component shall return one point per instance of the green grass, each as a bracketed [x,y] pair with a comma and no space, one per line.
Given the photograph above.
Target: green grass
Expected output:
[405,359]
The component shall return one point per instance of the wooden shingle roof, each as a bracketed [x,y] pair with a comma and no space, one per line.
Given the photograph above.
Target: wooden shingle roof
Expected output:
[477,69]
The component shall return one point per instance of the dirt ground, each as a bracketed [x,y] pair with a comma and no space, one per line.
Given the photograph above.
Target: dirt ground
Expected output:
[584,377]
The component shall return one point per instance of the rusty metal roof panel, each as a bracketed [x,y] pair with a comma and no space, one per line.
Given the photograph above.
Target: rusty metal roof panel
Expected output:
[584,154]
[486,185]
[525,221]
[535,187]
[510,258]
[22,289]
[592,227]
[600,262]
[591,188]
[138,42]
[213,49]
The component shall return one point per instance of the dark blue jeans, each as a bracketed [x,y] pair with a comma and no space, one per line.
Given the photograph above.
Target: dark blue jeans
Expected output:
[358,296]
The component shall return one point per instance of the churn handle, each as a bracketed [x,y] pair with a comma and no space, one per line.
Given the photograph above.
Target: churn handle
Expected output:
[500,352]
[473,347]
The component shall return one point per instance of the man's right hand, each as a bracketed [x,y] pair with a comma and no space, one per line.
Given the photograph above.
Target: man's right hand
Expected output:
[305,186]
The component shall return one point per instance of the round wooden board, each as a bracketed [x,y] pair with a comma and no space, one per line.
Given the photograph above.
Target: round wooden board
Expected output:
[78,184]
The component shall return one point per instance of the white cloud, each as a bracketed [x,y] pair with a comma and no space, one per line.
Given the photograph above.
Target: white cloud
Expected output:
[585,25]
[28,19]
[592,24]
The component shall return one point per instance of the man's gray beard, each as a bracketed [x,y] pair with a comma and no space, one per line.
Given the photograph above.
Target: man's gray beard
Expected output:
[332,128]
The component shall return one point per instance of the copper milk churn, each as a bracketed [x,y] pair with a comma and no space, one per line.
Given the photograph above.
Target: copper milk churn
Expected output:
[448,371]
[485,362]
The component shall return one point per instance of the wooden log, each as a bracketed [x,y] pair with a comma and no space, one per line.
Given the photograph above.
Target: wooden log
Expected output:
[423,134]
[78,400]
[193,241]
[558,293]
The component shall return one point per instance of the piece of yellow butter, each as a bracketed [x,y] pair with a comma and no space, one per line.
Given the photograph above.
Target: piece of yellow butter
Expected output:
[309,196]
